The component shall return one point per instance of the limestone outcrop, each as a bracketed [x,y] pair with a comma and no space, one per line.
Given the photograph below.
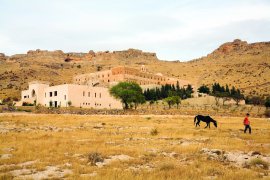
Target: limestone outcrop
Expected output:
[239,47]
[2,57]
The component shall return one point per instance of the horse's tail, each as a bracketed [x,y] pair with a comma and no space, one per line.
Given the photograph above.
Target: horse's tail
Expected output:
[195,119]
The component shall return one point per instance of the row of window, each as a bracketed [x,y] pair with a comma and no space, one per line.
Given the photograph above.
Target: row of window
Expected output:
[52,93]
[96,104]
[89,94]
[98,76]
[26,96]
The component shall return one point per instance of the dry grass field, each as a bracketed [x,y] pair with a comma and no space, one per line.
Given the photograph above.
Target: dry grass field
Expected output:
[37,146]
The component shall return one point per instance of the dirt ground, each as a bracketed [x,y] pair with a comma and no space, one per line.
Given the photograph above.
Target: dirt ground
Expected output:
[51,146]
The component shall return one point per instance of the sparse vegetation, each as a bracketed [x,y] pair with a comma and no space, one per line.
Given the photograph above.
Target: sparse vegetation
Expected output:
[259,162]
[94,157]
[65,141]
[154,132]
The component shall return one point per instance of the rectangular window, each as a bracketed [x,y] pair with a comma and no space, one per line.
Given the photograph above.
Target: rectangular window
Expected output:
[25,97]
[99,95]
[65,97]
[50,94]
[83,93]
[45,94]
[55,93]
[88,94]
[95,95]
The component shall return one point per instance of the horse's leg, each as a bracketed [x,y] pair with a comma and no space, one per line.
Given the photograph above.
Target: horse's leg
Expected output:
[209,125]
[206,125]
[198,122]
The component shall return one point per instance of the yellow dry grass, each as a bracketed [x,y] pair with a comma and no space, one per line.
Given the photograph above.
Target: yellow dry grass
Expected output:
[58,140]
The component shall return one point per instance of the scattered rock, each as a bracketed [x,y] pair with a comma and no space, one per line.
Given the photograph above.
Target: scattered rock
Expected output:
[238,158]
[144,167]
[93,174]
[171,155]
[8,149]
[5,156]
[51,172]
[111,159]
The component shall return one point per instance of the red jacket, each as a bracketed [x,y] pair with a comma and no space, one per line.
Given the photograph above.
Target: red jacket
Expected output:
[246,121]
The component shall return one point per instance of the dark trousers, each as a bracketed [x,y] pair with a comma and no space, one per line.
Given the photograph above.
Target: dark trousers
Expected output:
[247,127]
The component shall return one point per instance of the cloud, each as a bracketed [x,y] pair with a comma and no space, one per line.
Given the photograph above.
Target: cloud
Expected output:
[184,29]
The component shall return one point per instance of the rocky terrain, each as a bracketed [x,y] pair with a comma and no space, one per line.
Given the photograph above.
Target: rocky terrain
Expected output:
[38,146]
[237,63]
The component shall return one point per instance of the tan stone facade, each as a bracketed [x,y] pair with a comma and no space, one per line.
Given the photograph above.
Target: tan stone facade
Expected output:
[92,90]
[119,74]
[60,96]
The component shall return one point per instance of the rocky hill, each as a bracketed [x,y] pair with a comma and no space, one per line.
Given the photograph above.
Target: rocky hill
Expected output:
[237,63]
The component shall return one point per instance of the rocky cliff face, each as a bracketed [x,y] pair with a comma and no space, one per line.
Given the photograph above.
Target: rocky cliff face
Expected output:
[60,56]
[2,57]
[240,47]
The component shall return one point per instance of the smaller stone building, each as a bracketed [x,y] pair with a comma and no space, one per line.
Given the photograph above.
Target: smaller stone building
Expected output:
[61,95]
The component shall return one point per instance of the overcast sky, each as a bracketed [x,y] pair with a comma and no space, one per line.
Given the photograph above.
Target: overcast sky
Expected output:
[174,29]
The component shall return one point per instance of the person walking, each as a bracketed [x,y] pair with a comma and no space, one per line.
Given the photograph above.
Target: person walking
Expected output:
[247,124]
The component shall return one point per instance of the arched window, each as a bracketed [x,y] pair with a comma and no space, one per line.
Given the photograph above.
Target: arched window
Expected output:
[33,93]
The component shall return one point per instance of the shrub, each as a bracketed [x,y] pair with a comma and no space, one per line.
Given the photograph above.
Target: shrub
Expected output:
[166,166]
[69,103]
[27,104]
[259,162]
[267,113]
[154,132]
[267,102]
[94,157]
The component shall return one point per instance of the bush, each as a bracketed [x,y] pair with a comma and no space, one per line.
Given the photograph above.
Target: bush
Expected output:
[27,104]
[166,166]
[259,162]
[267,102]
[154,132]
[94,157]
[267,113]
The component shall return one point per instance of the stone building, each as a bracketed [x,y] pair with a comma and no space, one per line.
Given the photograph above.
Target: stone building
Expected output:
[127,74]
[92,90]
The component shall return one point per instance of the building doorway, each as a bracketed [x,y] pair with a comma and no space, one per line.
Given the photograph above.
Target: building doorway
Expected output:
[55,103]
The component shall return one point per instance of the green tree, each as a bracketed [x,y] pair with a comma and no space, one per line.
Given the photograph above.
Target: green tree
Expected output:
[69,103]
[237,96]
[177,100]
[267,102]
[170,101]
[204,89]
[138,99]
[128,93]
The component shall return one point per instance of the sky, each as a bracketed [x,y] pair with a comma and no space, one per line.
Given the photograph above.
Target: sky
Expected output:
[174,29]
